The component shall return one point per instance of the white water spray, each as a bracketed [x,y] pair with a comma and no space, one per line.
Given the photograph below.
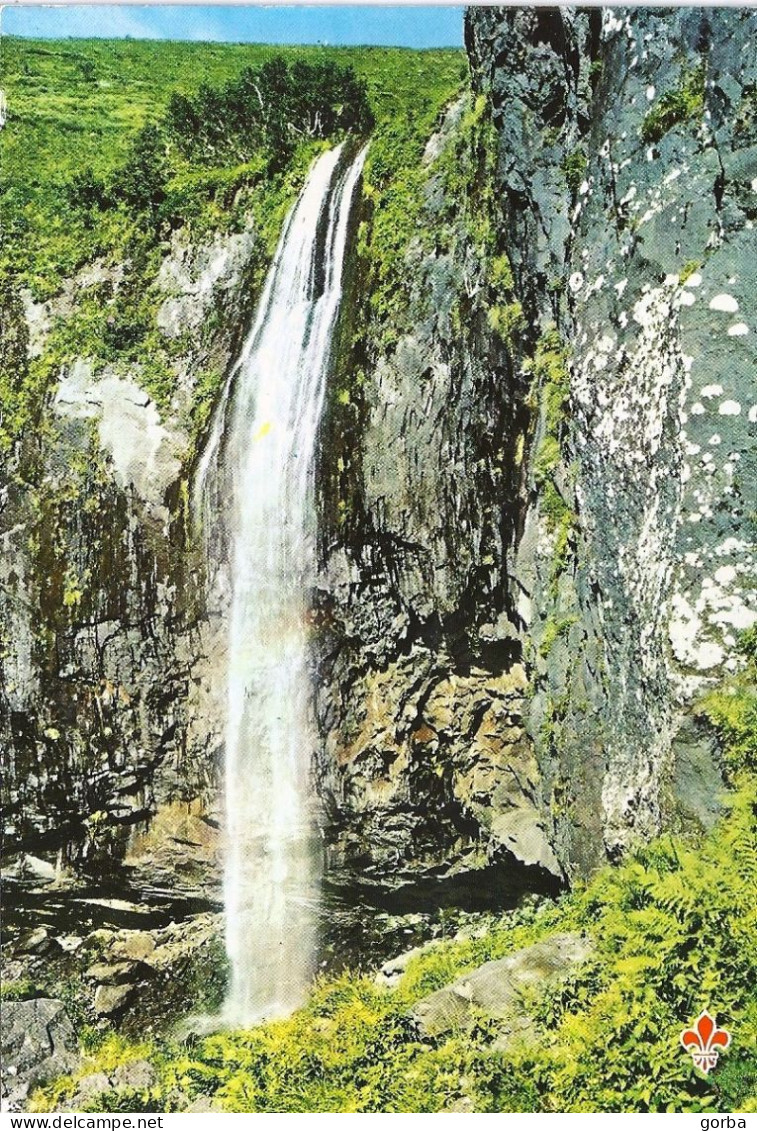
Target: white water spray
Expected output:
[255,490]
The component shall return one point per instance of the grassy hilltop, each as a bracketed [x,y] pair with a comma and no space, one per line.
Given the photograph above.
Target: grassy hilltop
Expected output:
[91,171]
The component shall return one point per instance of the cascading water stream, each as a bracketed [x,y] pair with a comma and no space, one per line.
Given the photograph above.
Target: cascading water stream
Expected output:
[255,492]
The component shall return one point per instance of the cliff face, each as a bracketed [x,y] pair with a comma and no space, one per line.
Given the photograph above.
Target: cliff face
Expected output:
[549,550]
[535,493]
[108,710]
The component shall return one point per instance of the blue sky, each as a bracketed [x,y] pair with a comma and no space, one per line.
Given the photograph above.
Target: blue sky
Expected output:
[414,26]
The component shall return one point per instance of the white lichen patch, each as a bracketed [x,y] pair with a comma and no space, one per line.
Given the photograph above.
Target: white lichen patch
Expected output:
[686,298]
[702,625]
[697,409]
[725,574]
[694,280]
[752,417]
[711,391]
[725,303]
[738,330]
[729,408]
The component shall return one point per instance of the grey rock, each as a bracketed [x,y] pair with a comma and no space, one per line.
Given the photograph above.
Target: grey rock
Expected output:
[496,990]
[89,1086]
[204,1104]
[36,941]
[138,1074]
[38,1042]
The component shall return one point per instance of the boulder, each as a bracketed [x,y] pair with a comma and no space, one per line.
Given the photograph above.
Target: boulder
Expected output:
[496,990]
[110,1000]
[111,974]
[37,1042]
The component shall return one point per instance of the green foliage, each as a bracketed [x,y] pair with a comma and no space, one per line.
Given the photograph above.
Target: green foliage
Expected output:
[574,167]
[745,122]
[270,108]
[21,989]
[676,106]
[732,709]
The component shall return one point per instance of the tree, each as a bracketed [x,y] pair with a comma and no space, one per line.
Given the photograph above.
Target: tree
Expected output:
[141,181]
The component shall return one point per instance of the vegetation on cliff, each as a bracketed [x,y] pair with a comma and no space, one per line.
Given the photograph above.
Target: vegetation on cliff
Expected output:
[110,147]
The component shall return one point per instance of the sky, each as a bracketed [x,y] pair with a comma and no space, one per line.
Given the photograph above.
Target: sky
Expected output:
[416,26]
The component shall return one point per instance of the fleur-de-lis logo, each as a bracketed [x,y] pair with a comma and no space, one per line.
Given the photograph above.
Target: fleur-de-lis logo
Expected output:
[705,1041]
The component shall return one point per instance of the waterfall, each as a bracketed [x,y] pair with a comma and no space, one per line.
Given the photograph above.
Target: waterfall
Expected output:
[255,493]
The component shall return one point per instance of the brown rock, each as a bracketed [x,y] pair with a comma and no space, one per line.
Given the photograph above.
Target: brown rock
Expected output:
[112,999]
[111,974]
